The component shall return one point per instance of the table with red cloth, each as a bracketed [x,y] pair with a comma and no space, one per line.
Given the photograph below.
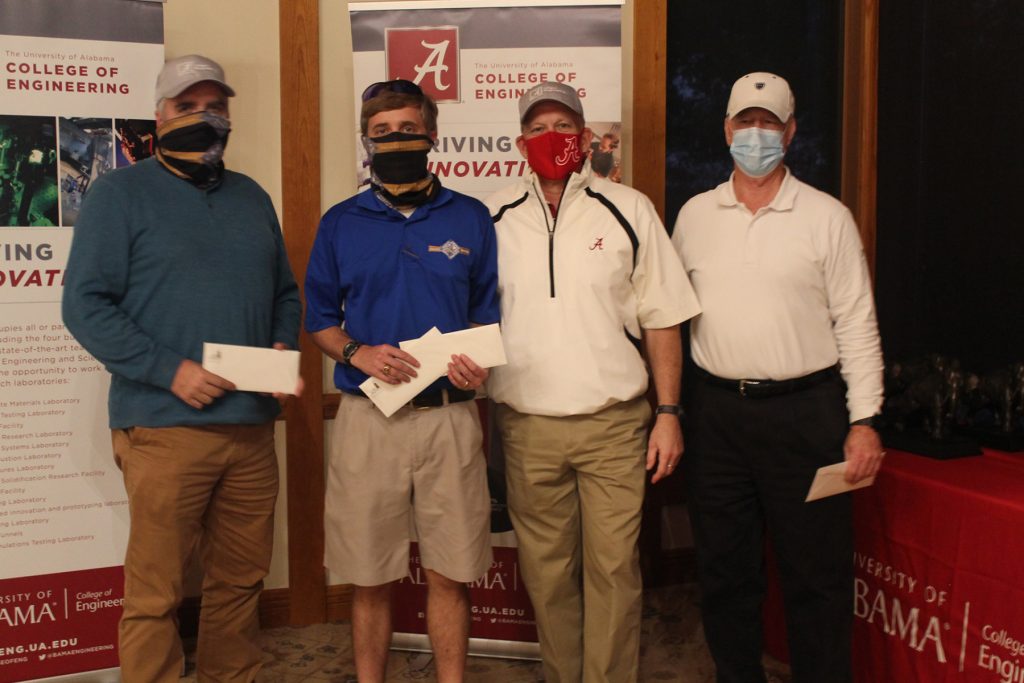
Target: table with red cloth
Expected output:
[938,572]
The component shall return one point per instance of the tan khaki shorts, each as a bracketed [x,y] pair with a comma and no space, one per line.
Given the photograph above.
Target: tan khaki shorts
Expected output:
[419,471]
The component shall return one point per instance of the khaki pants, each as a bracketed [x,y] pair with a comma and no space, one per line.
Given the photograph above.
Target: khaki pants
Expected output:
[575,490]
[211,486]
[419,468]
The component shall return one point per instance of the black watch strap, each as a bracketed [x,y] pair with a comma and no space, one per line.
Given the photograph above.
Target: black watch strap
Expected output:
[669,409]
[349,350]
[866,422]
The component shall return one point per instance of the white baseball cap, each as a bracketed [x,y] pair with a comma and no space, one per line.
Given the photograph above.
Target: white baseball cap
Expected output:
[764,90]
[181,73]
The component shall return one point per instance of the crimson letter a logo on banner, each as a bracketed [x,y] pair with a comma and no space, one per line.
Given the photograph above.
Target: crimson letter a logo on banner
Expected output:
[429,57]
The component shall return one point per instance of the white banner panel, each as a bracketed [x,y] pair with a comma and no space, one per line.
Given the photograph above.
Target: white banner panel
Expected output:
[76,77]
[76,101]
[60,494]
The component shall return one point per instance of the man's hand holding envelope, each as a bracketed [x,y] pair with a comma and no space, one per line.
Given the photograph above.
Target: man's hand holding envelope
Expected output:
[400,374]
[272,371]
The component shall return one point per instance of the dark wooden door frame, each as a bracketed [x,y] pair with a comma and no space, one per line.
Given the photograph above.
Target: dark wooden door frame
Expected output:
[300,178]
[860,119]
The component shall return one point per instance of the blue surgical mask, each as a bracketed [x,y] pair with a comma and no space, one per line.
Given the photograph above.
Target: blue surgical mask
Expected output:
[757,151]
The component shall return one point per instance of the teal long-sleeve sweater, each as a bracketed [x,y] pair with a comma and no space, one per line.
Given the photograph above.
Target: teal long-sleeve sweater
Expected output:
[157,267]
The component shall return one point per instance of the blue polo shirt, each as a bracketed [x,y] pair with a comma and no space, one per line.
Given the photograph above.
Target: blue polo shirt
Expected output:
[388,278]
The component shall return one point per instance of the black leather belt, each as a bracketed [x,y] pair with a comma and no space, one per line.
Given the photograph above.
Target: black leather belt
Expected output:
[760,388]
[441,397]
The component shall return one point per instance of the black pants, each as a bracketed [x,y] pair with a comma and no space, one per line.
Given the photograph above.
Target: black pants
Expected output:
[748,464]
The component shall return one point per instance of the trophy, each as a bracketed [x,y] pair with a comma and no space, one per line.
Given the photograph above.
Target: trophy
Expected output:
[924,408]
[995,408]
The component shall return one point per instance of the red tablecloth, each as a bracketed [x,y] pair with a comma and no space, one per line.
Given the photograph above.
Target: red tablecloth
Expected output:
[939,572]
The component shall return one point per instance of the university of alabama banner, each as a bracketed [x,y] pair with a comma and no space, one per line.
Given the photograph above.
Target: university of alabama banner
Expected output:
[76,100]
[475,58]
[937,588]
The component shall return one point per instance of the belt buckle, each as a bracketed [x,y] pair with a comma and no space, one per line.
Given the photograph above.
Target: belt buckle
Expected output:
[444,402]
[743,386]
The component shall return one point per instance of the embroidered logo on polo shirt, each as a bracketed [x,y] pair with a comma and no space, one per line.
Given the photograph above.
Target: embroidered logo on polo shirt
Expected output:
[451,249]
[598,244]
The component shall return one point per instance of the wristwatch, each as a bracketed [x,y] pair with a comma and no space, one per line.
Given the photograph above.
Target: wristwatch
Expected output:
[866,422]
[349,350]
[669,409]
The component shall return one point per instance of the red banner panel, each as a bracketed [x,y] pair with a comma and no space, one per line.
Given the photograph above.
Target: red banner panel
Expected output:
[938,592]
[58,624]
[938,572]
[501,608]
[428,57]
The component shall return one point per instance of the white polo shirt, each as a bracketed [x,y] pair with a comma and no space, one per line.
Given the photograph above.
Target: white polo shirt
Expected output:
[783,292]
[576,289]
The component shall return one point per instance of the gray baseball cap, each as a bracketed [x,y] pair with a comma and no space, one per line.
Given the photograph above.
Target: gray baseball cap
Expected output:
[181,73]
[549,92]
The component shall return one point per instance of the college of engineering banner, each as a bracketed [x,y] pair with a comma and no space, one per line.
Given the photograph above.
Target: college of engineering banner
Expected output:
[76,100]
[475,58]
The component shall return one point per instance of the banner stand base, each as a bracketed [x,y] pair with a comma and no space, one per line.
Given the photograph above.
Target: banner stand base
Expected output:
[97,676]
[478,647]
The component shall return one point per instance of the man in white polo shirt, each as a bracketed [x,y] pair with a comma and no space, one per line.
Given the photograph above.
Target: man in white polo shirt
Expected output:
[587,276]
[788,379]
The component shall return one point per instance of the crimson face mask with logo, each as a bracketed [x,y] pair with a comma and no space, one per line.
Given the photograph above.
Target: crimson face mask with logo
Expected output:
[192,147]
[554,155]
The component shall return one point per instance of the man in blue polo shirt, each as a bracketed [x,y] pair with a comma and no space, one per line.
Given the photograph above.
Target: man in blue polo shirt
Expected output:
[388,265]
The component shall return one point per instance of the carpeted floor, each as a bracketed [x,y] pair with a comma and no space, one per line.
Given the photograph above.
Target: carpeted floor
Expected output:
[672,649]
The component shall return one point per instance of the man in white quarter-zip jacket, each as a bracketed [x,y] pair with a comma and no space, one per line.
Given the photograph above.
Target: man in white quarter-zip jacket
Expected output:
[587,278]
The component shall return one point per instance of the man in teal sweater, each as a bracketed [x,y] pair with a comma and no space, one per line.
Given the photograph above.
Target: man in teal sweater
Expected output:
[167,254]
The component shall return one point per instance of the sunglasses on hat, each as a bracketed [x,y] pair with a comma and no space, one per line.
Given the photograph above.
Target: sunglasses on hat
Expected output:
[399,85]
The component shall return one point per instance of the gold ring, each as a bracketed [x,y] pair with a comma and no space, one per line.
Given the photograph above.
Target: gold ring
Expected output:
[466,385]
[386,370]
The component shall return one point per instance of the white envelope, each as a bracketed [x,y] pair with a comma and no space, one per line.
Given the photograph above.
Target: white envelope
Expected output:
[433,351]
[482,344]
[252,368]
[830,480]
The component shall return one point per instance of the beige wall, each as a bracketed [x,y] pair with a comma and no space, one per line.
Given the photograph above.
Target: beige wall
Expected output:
[243,36]
[337,122]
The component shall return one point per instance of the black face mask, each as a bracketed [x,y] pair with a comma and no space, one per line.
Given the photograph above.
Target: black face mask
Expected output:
[399,164]
[192,147]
